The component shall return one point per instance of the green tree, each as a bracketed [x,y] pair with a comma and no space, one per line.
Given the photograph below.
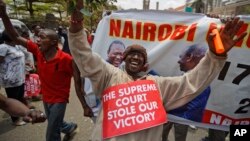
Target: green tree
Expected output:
[36,10]
[96,9]
[93,9]
[37,7]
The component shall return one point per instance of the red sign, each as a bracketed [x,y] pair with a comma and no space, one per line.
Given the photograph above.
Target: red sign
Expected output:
[131,107]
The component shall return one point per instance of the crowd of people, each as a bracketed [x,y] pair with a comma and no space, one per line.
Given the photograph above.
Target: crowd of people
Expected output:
[56,66]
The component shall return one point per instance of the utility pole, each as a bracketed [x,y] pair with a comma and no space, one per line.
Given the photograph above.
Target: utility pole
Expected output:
[157,5]
[146,4]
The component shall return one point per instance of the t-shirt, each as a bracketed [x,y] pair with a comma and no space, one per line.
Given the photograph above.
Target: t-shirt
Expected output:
[90,97]
[29,60]
[55,74]
[12,72]
[194,109]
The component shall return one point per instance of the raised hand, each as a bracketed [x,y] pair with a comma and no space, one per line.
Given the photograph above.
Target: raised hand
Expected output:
[76,17]
[2,8]
[228,35]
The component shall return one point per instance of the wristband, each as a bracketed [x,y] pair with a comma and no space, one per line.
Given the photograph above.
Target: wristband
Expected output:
[76,21]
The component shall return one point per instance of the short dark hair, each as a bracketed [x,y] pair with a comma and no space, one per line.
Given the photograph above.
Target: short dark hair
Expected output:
[6,37]
[51,34]
[115,42]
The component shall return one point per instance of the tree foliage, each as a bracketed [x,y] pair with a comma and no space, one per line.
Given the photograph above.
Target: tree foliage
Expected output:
[37,7]
[96,9]
[36,10]
[93,9]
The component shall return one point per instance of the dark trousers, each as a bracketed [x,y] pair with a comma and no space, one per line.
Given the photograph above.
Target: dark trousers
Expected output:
[180,131]
[216,135]
[16,93]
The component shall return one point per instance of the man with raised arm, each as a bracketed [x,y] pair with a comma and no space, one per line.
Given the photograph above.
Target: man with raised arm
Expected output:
[55,70]
[173,91]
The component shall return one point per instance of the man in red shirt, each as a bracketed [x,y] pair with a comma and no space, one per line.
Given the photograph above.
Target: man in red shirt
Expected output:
[55,71]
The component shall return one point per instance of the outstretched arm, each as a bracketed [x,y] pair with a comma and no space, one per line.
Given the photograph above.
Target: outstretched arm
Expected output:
[80,92]
[76,18]
[9,27]
[89,63]
[16,108]
[179,90]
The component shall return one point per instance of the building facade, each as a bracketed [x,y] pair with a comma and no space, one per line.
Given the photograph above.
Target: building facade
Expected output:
[227,8]
[230,7]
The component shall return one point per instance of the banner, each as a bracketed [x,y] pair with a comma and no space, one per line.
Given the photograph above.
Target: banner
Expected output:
[131,107]
[165,35]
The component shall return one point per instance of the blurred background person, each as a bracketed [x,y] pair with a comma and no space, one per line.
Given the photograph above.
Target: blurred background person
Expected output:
[194,109]
[12,72]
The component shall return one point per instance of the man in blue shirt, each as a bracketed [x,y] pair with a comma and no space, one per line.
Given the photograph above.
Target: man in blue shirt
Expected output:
[193,110]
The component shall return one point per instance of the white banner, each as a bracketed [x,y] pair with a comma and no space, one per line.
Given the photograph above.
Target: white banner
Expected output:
[165,35]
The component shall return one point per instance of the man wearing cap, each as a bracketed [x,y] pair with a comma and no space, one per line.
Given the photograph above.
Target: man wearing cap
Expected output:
[174,91]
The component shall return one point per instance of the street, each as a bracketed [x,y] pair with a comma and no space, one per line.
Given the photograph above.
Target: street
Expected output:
[74,113]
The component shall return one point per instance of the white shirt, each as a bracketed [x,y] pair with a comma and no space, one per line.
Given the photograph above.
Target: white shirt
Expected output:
[12,72]
[90,98]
